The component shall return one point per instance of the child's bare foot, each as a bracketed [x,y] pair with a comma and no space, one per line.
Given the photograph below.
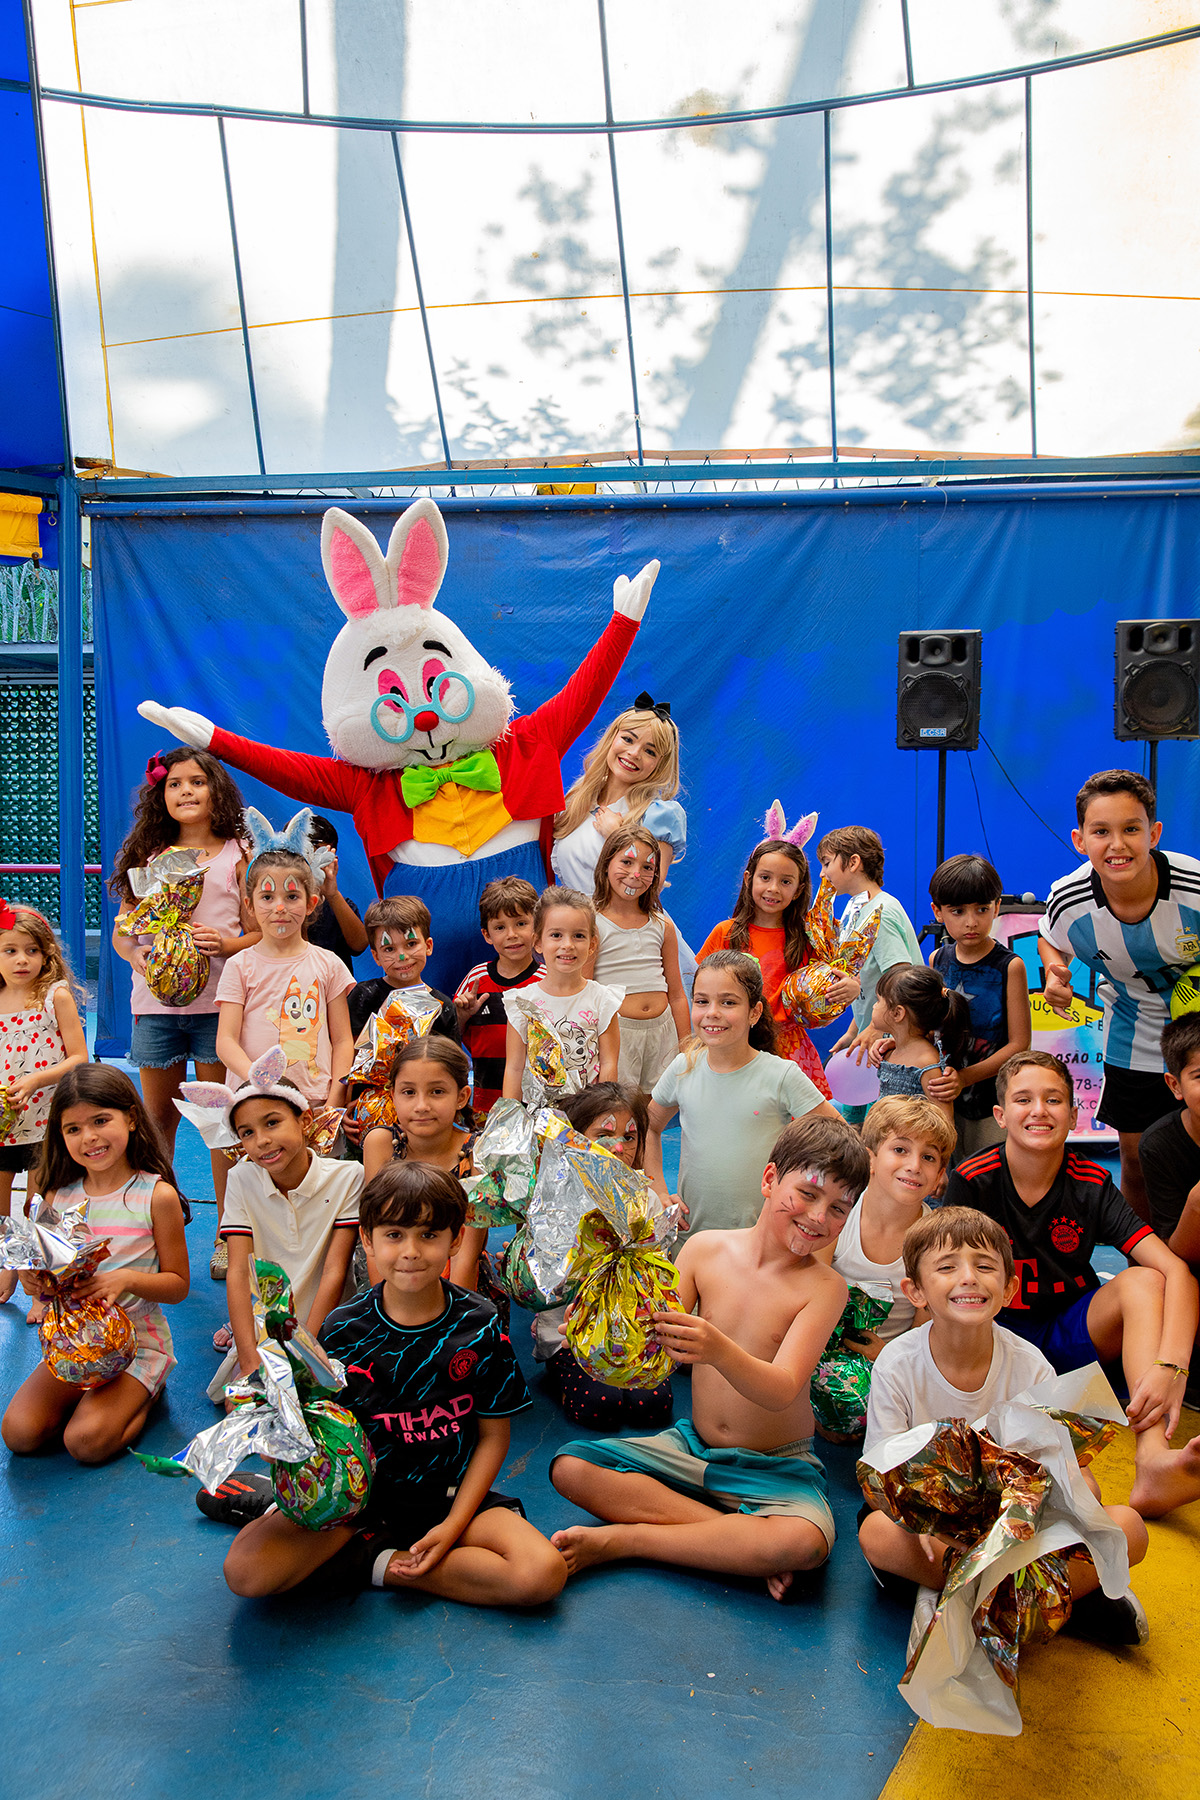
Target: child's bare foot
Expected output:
[1166,1481]
[778,1585]
[8,1284]
[582,1546]
[36,1313]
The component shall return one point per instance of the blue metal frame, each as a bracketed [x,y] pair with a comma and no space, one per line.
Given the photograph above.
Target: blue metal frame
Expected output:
[925,470]
[241,298]
[72,913]
[1029,265]
[412,251]
[601,127]
[616,193]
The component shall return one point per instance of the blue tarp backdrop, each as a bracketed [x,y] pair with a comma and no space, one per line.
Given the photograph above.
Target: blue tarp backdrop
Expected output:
[772,631]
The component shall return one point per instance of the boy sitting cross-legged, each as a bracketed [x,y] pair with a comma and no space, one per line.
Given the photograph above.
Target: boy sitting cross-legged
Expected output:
[736,1489]
[960,1365]
[1056,1206]
[433,1381]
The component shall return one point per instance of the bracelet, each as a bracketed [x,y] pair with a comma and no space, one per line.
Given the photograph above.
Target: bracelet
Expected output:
[1178,1367]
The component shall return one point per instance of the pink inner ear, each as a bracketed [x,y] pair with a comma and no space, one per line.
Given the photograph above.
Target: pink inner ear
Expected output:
[352,581]
[420,567]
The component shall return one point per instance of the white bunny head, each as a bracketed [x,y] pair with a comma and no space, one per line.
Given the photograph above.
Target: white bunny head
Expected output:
[402,684]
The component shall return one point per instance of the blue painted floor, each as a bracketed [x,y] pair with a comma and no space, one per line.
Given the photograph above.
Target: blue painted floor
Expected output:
[129,1668]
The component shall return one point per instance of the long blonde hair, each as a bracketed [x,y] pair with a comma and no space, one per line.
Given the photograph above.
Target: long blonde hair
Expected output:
[583,797]
[55,966]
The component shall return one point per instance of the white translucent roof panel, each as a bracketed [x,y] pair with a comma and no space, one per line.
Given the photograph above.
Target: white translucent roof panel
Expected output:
[328,360]
[929,272]
[725,248]
[1117,309]
[456,59]
[522,280]
[224,52]
[950,39]
[676,57]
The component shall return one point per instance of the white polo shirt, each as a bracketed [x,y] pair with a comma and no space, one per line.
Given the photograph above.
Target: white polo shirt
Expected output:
[293,1229]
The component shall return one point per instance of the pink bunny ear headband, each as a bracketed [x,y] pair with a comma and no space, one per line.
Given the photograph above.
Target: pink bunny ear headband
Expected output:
[775,826]
[209,1106]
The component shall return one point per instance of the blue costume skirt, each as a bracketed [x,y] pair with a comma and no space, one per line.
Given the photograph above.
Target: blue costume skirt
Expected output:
[451,892]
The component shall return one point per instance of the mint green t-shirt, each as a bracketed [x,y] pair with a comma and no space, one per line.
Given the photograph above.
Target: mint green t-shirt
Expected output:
[729,1124]
[895,942]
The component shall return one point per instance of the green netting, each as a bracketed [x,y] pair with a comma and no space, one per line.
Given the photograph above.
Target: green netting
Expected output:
[29,794]
[29,605]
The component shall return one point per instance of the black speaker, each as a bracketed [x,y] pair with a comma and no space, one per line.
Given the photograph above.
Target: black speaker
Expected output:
[1157,679]
[937,690]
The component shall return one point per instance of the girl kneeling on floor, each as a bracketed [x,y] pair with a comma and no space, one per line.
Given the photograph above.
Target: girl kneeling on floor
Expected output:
[102,1155]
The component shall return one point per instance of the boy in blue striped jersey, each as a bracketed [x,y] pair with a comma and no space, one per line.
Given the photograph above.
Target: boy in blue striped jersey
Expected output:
[1132,914]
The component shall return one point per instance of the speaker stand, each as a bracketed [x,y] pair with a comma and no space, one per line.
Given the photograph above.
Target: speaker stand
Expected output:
[941,806]
[1154,764]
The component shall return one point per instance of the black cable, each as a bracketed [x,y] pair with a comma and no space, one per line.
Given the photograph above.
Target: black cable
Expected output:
[1020,796]
[979,809]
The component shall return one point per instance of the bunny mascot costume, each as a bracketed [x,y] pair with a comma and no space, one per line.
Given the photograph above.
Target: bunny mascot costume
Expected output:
[446,788]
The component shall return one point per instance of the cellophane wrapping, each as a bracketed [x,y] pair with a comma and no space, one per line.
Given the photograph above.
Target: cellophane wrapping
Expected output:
[805,993]
[85,1341]
[10,1110]
[621,1279]
[409,1014]
[1008,1490]
[841,1381]
[168,891]
[505,1156]
[285,1412]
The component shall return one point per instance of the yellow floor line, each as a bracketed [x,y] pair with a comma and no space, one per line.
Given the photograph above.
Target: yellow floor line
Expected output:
[1105,1724]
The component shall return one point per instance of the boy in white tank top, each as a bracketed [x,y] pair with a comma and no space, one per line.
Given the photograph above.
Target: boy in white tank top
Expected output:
[910,1143]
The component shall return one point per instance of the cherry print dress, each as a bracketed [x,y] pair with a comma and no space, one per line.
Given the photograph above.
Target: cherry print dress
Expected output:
[30,1041]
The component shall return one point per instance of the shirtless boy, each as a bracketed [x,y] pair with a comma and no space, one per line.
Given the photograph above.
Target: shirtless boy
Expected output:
[736,1489]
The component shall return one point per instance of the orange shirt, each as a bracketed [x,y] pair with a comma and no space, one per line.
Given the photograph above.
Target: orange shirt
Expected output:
[766,943]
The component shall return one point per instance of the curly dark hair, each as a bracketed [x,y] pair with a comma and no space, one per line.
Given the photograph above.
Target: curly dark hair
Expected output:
[155,830]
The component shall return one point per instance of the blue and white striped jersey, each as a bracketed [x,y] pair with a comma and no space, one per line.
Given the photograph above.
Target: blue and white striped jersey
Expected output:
[1138,964]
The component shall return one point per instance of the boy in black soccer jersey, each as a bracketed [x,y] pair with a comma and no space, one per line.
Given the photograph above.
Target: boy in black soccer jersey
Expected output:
[433,1380]
[1056,1206]
[1170,1150]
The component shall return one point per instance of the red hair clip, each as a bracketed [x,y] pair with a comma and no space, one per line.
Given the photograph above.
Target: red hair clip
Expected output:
[8,917]
[156,768]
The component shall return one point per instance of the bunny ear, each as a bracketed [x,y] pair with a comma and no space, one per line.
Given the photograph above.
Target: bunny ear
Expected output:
[270,1067]
[804,830]
[295,836]
[774,824]
[203,1106]
[418,551]
[260,828]
[354,565]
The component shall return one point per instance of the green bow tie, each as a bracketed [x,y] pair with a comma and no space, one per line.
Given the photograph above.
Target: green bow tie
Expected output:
[477,771]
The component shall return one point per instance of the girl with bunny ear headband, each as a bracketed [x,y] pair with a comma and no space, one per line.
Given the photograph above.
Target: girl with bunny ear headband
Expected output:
[768,923]
[447,789]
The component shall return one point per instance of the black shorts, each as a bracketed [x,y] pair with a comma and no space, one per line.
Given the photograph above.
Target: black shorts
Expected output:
[349,1570]
[16,1157]
[1133,1098]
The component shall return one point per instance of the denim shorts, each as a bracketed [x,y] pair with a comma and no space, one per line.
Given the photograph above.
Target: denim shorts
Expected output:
[160,1040]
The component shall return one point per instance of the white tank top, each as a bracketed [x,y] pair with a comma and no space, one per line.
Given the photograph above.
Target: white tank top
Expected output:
[854,1268]
[632,957]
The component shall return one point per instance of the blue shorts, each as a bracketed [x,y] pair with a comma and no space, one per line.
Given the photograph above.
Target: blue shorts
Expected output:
[1063,1340]
[160,1040]
[451,892]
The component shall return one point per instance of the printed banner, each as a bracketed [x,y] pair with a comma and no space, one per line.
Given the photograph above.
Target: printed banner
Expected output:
[1080,1043]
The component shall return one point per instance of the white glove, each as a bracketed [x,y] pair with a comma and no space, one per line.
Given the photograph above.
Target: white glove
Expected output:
[632,597]
[190,727]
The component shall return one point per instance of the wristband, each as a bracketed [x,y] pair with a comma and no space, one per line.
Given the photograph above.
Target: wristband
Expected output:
[1178,1367]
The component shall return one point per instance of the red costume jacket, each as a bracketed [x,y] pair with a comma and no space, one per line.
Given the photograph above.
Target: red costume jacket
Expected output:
[529,756]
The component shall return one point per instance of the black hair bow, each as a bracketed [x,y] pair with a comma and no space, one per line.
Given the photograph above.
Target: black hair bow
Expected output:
[660,708]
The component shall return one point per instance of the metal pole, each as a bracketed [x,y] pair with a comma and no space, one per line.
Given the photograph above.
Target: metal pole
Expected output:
[941,808]
[71,907]
[1154,764]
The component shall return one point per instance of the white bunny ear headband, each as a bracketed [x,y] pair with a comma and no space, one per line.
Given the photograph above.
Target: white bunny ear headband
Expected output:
[775,826]
[208,1105]
[295,840]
